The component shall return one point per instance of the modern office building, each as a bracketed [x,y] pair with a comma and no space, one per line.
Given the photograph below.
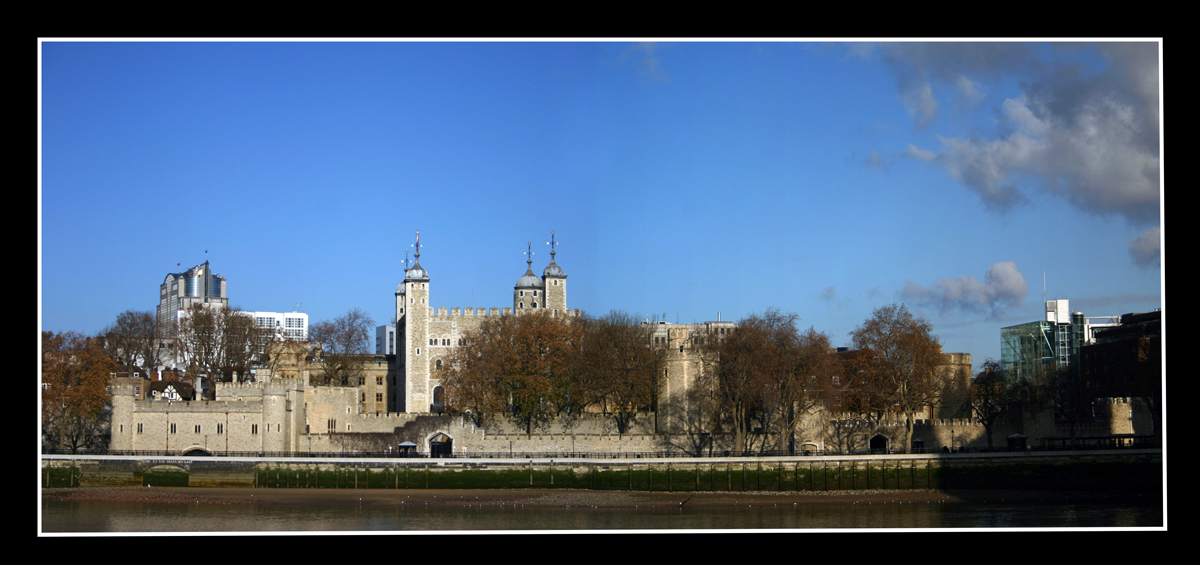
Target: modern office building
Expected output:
[179,291]
[1049,344]
[385,340]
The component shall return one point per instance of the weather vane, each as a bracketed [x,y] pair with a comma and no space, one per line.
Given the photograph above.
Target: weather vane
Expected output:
[551,243]
[529,252]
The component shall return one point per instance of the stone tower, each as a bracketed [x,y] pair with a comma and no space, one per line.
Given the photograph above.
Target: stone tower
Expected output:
[554,282]
[529,293]
[412,327]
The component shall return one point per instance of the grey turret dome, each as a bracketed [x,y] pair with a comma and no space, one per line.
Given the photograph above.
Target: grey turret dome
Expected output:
[553,270]
[416,274]
[529,280]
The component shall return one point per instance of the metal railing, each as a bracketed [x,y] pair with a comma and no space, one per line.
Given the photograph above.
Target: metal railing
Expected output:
[1058,444]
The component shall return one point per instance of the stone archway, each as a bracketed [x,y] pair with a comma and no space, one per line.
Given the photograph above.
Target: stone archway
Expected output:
[441,445]
[878,444]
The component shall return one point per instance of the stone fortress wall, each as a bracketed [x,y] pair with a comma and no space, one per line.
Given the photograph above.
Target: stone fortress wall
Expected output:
[397,396]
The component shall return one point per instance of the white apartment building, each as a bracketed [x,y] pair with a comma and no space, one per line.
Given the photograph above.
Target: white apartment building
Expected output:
[288,325]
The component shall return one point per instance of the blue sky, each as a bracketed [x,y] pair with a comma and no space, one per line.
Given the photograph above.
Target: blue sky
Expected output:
[681,178]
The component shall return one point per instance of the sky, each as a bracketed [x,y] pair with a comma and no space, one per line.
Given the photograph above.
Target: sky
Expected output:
[685,180]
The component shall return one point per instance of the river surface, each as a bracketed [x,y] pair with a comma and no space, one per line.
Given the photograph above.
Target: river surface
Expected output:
[348,511]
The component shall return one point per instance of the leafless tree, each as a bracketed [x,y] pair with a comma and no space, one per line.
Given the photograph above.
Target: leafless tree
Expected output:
[131,340]
[991,399]
[618,368]
[343,348]
[800,362]
[241,344]
[198,339]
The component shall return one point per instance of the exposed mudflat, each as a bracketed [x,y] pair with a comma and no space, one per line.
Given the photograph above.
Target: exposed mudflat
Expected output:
[544,498]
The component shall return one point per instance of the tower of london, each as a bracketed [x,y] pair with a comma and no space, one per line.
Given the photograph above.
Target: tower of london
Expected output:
[425,336]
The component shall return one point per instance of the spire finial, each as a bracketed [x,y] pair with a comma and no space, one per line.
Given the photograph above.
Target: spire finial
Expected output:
[406,260]
[418,245]
[552,244]
[529,253]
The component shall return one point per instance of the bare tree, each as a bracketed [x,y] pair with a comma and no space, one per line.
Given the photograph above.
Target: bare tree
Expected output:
[801,362]
[903,354]
[241,344]
[198,339]
[618,368]
[343,348]
[131,340]
[220,342]
[991,398]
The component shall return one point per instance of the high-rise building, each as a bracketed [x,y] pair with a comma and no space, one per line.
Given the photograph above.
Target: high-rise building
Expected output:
[179,291]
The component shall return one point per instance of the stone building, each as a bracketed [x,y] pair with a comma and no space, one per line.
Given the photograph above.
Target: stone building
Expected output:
[398,397]
[426,336]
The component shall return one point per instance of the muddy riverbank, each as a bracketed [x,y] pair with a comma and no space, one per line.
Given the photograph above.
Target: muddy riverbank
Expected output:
[543,498]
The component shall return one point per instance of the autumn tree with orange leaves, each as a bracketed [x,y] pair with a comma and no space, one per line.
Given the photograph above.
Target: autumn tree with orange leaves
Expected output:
[901,357]
[75,377]
[518,367]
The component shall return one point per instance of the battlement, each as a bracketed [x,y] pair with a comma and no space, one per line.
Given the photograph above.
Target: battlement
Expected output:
[441,313]
[198,406]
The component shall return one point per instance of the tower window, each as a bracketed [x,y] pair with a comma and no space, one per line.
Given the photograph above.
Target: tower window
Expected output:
[534,304]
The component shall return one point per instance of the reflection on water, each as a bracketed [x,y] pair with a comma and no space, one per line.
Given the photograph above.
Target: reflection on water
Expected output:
[151,517]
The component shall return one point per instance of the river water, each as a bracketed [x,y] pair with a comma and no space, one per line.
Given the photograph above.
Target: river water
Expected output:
[344,515]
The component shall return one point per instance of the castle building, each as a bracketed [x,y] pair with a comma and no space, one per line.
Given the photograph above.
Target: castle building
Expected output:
[426,337]
[398,393]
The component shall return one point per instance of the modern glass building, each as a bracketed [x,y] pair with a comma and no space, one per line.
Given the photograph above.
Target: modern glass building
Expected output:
[1029,349]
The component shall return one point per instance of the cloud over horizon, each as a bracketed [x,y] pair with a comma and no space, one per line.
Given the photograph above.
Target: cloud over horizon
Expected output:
[1003,287]
[1088,136]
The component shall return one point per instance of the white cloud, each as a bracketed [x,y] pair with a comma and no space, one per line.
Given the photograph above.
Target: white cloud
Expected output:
[1003,287]
[918,153]
[1089,138]
[969,92]
[921,104]
[1147,248]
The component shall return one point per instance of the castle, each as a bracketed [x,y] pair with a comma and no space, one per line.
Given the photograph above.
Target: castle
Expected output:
[425,337]
[399,396]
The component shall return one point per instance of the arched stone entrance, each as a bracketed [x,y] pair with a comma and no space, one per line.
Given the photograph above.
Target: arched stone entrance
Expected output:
[441,445]
[879,444]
